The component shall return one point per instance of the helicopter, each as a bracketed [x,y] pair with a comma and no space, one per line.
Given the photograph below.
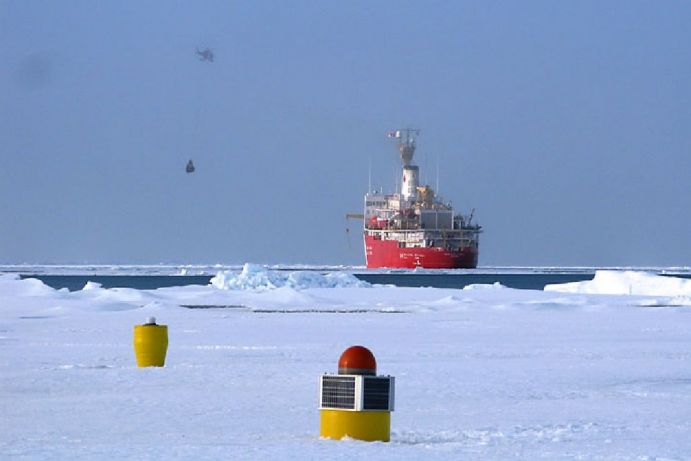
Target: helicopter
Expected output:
[205,55]
[190,167]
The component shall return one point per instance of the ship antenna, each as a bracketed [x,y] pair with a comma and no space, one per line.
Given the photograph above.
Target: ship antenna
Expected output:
[369,176]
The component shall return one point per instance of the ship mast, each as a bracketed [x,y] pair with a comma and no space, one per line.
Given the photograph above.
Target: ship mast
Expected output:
[406,147]
[406,143]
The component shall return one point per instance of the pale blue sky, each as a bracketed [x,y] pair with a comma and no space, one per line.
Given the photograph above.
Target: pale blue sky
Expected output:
[567,125]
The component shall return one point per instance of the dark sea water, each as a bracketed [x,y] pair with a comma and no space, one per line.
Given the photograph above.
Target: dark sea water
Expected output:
[535,280]
[139,282]
[529,281]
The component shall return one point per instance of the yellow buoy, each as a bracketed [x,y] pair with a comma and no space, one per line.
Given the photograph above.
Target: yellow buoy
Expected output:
[150,343]
[356,403]
[369,426]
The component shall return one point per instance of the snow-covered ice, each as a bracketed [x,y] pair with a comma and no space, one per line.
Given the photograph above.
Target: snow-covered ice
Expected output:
[611,282]
[486,372]
[256,277]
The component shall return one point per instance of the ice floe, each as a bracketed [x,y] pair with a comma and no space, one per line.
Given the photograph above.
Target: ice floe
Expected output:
[256,277]
[606,282]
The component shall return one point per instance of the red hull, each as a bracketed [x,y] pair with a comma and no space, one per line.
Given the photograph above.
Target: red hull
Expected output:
[386,253]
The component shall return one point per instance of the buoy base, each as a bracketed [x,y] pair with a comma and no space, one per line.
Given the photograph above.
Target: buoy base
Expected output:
[370,426]
[150,345]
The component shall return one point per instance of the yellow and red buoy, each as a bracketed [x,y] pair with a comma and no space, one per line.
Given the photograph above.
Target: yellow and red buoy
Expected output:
[356,403]
[150,343]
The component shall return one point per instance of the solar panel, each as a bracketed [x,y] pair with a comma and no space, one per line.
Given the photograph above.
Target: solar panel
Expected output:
[357,392]
[376,393]
[338,392]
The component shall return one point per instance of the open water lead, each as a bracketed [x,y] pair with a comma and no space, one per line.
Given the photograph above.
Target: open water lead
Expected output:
[150,343]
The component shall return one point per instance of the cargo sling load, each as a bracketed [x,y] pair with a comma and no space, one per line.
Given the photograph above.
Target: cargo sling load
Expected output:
[415,228]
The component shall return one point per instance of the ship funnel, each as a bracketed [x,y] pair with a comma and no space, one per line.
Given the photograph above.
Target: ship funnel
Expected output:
[409,184]
[406,146]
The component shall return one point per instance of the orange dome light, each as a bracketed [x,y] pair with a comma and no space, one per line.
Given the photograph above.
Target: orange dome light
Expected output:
[357,360]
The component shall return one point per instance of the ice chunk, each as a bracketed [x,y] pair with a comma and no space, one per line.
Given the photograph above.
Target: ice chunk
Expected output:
[91,286]
[256,277]
[484,286]
[609,282]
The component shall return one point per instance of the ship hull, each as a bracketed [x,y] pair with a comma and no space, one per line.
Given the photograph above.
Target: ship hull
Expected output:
[386,253]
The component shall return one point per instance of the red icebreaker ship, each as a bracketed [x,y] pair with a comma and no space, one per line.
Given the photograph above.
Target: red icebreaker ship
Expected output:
[415,228]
